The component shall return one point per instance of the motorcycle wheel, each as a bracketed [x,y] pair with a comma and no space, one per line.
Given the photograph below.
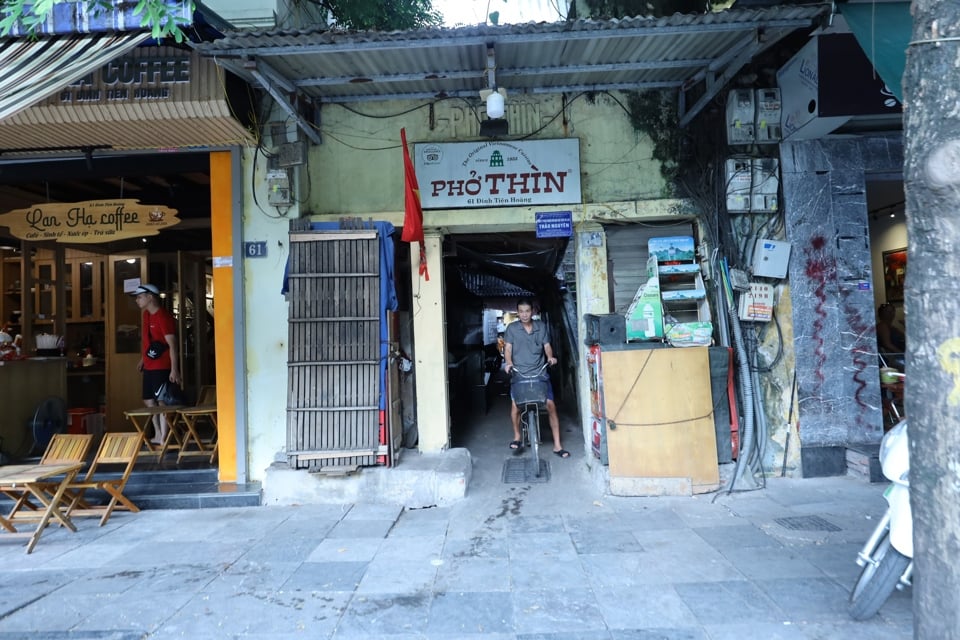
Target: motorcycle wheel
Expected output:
[878,581]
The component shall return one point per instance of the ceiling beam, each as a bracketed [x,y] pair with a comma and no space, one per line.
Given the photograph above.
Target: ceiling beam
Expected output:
[102,167]
[472,93]
[523,72]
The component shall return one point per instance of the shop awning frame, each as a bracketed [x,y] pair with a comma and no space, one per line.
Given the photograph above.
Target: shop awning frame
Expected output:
[34,69]
[695,55]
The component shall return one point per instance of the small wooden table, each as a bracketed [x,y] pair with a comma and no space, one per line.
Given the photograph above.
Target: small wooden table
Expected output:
[189,417]
[29,478]
[142,417]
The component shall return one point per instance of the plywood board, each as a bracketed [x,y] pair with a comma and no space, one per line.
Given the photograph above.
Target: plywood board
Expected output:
[660,415]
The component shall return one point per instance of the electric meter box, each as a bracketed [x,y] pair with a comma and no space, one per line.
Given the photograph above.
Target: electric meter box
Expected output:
[278,188]
[756,304]
[740,116]
[765,185]
[739,175]
[771,258]
[767,121]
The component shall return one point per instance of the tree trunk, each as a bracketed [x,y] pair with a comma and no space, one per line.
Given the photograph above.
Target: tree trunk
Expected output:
[931,85]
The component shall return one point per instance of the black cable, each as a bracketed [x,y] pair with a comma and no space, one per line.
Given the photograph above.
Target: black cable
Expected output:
[434,101]
[769,367]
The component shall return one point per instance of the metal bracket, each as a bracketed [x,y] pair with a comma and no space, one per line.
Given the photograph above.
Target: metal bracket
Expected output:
[274,83]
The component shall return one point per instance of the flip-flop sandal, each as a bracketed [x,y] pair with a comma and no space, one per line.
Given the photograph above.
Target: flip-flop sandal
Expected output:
[563,453]
[515,444]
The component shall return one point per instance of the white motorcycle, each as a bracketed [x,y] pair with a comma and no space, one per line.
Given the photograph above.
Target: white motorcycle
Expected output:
[887,557]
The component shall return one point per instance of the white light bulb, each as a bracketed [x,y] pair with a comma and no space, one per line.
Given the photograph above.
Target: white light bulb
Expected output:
[495,105]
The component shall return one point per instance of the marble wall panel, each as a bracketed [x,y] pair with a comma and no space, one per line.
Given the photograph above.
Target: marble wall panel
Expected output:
[833,317]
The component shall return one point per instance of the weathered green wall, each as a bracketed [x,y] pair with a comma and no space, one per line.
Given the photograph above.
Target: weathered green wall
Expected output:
[359,170]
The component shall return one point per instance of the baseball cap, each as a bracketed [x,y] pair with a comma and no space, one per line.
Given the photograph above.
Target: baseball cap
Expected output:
[146,288]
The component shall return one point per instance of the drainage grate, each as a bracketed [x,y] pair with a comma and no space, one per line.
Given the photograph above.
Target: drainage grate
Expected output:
[517,470]
[806,523]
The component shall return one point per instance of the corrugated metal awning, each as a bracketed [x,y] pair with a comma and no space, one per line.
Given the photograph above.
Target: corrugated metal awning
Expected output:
[204,107]
[32,69]
[693,54]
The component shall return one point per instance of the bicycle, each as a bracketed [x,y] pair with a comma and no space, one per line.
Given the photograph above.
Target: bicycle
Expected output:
[529,392]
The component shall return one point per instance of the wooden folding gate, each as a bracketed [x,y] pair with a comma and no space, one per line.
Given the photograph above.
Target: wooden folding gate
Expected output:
[334,379]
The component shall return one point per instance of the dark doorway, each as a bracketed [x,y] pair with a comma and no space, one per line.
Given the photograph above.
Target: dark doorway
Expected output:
[485,276]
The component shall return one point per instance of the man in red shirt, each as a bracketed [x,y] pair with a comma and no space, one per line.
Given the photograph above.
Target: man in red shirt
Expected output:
[159,360]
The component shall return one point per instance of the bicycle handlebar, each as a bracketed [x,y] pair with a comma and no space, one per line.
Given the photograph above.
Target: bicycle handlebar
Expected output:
[543,367]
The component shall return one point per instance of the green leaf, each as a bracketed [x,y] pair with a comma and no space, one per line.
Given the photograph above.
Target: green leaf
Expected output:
[155,14]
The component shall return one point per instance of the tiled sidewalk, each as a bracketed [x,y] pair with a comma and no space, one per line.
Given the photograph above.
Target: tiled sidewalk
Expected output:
[509,562]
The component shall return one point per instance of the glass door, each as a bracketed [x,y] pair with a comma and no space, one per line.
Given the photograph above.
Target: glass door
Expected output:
[124,382]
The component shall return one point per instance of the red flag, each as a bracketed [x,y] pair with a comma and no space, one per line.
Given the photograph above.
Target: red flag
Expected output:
[412,213]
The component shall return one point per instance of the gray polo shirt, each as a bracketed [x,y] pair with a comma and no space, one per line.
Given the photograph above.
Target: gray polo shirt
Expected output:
[528,355]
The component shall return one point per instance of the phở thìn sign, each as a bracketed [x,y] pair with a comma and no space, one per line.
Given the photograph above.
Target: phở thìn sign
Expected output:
[88,222]
[498,173]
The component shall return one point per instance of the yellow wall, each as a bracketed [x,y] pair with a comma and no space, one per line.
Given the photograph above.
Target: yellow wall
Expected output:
[221,227]
[430,349]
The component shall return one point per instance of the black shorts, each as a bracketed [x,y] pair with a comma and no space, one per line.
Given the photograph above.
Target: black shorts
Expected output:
[152,379]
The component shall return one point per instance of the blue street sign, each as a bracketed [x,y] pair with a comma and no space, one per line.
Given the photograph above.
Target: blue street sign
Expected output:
[554,224]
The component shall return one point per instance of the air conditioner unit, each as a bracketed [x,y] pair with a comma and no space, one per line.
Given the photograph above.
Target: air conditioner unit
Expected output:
[819,95]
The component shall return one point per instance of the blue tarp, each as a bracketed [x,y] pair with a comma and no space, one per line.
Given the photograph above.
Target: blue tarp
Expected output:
[388,291]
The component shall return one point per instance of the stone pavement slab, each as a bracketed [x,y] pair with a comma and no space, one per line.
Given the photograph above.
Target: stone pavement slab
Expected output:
[551,561]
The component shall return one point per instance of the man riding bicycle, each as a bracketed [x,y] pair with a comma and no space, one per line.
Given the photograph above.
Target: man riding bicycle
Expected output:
[527,348]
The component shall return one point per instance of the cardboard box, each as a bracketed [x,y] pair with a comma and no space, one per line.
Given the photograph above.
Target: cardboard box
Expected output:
[690,334]
[672,249]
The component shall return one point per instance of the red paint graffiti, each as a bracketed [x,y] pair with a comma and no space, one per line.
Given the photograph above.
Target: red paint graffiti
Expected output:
[821,268]
[859,351]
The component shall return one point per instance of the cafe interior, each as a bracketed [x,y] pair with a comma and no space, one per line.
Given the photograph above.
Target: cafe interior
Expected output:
[71,330]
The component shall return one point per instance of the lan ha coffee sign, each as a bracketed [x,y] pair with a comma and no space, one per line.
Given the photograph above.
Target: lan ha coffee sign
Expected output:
[498,173]
[88,222]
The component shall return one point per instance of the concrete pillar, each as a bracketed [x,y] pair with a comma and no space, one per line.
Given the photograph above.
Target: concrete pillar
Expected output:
[592,297]
[838,384]
[430,338]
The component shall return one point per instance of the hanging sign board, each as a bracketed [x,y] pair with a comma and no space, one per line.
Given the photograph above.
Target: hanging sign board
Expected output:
[498,173]
[89,222]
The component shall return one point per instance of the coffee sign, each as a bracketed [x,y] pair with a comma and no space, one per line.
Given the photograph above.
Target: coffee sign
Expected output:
[89,222]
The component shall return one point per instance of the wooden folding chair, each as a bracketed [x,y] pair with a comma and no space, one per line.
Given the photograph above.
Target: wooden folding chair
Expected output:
[191,417]
[63,448]
[67,447]
[115,449]
[208,395]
